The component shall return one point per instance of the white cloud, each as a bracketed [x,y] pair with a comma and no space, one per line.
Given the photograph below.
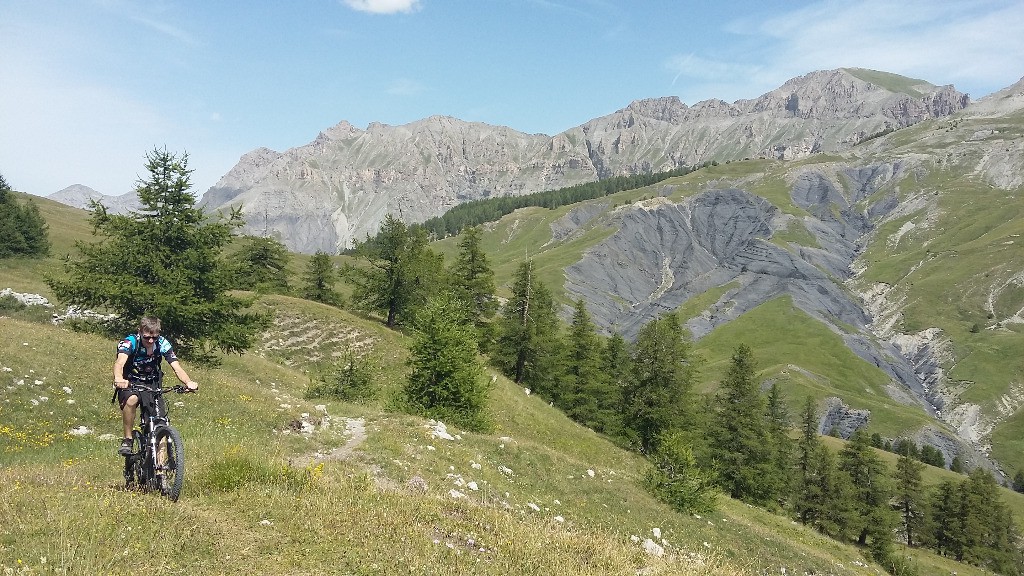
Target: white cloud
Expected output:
[383,6]
[975,45]
[973,42]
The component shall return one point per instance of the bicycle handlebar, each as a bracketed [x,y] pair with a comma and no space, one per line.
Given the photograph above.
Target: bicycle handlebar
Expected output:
[180,389]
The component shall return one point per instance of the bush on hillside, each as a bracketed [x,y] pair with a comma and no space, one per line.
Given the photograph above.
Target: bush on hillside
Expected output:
[351,379]
[675,478]
[447,380]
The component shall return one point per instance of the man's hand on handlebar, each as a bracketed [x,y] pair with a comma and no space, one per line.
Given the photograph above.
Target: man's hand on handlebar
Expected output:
[192,386]
[121,384]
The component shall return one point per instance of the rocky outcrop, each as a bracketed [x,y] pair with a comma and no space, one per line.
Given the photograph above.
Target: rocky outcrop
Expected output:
[339,187]
[840,420]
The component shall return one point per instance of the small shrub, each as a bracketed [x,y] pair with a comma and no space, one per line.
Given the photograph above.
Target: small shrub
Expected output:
[9,304]
[351,379]
[676,479]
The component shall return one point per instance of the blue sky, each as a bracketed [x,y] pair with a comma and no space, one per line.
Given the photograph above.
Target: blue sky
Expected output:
[89,86]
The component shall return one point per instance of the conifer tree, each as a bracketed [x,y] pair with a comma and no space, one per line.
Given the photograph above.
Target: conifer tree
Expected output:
[868,474]
[909,496]
[807,496]
[23,231]
[944,524]
[743,445]
[656,396]
[318,280]
[261,264]
[590,396]
[399,274]
[446,382]
[473,278]
[675,477]
[781,444]
[837,513]
[528,347]
[164,261]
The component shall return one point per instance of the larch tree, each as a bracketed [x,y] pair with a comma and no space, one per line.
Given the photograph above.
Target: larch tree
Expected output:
[528,346]
[261,264]
[909,497]
[590,396]
[23,231]
[446,381]
[164,261]
[656,395]
[473,279]
[870,478]
[743,445]
[318,280]
[399,274]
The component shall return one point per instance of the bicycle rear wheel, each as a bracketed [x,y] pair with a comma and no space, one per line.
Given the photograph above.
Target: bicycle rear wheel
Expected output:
[170,463]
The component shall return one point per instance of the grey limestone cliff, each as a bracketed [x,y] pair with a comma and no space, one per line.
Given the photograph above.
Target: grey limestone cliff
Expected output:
[339,187]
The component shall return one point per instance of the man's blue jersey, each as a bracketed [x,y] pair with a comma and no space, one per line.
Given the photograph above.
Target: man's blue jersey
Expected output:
[141,367]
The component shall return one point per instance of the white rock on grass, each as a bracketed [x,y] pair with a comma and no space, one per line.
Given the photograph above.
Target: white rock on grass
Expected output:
[80,431]
[533,506]
[439,430]
[653,548]
[656,532]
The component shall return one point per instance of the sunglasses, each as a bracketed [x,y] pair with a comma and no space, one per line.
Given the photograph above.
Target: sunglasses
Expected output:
[150,337]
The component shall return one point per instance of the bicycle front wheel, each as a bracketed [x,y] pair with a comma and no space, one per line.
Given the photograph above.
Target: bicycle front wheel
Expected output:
[170,462]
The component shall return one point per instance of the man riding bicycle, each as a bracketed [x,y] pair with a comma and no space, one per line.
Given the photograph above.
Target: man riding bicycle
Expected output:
[138,361]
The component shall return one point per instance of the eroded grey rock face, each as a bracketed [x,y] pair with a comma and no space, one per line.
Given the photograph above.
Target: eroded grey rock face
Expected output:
[840,420]
[665,253]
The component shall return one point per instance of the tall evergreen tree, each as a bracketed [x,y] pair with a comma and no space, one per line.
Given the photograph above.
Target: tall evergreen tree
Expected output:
[944,524]
[781,444]
[807,497]
[473,278]
[869,476]
[446,382]
[400,271]
[164,261]
[591,397]
[909,496]
[743,444]
[528,345]
[656,396]
[318,280]
[837,513]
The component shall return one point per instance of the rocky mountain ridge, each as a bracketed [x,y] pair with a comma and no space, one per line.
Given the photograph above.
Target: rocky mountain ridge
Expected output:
[79,196]
[340,186]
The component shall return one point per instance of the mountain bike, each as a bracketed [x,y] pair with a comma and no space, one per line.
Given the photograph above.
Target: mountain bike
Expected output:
[157,460]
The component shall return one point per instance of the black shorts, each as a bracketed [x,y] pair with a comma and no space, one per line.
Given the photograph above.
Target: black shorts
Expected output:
[146,399]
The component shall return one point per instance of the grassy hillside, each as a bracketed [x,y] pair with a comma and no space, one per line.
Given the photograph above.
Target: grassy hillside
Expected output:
[372,491]
[258,498]
[538,491]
